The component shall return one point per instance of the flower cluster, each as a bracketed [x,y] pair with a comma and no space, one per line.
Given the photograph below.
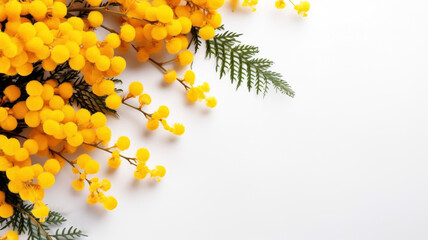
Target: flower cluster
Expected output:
[59,83]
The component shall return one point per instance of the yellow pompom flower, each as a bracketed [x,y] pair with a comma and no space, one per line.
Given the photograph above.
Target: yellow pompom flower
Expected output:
[123,143]
[110,203]
[211,102]
[170,76]
[113,101]
[95,19]
[52,166]
[143,155]
[185,58]
[92,167]
[135,89]
[12,92]
[60,54]
[206,32]
[59,9]
[164,14]
[303,8]
[152,124]
[46,180]
[280,4]
[127,32]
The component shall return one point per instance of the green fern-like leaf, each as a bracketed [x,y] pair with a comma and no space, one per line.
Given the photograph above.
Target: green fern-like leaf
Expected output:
[70,233]
[239,61]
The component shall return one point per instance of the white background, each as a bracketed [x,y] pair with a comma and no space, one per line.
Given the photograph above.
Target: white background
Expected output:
[345,159]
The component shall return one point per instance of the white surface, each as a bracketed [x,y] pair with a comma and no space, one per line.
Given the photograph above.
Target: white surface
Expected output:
[345,159]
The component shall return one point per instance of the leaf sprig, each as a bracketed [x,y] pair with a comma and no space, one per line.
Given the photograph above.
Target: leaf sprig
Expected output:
[240,62]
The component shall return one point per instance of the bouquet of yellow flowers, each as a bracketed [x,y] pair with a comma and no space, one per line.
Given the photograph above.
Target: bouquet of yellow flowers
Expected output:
[59,81]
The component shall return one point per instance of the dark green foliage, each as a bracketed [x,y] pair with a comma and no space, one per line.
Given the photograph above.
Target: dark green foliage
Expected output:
[239,61]
[196,40]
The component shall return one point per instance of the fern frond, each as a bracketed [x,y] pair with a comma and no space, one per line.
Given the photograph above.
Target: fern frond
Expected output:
[240,62]
[68,234]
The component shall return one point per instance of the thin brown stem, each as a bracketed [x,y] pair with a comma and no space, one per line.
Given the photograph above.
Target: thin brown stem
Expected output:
[69,162]
[129,159]
[147,115]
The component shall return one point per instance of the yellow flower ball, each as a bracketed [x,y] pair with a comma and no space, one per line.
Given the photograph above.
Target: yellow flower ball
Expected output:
[211,102]
[118,64]
[152,124]
[170,76]
[83,116]
[98,119]
[78,185]
[77,62]
[31,146]
[143,154]
[174,46]
[113,40]
[59,9]
[174,27]
[51,127]
[56,102]
[102,63]
[159,33]
[110,203]
[89,39]
[164,14]
[123,143]
[46,179]
[92,167]
[189,77]
[185,58]
[113,101]
[21,155]
[127,32]
[12,92]
[34,103]
[11,146]
[60,54]
[26,31]
[135,89]
[197,18]
[104,134]
[163,111]
[52,166]
[32,119]
[65,90]
[48,92]
[38,9]
[207,32]
[95,19]
[6,211]
[215,20]
[145,99]
[75,140]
